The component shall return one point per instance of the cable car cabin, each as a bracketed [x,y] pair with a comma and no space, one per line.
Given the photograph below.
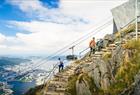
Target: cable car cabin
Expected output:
[71,57]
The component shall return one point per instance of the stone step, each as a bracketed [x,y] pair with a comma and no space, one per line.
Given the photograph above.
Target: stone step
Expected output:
[117,42]
[65,77]
[54,93]
[60,79]
[110,48]
[57,83]
[112,45]
[60,89]
[67,73]
[135,36]
[134,33]
[62,76]
[51,88]
[54,87]
[70,72]
[88,60]
[71,69]
[104,50]
[98,53]
[94,58]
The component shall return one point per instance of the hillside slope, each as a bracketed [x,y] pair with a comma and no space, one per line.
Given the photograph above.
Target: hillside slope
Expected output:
[115,70]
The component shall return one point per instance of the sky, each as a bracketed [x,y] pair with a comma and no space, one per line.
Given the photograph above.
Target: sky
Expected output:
[42,27]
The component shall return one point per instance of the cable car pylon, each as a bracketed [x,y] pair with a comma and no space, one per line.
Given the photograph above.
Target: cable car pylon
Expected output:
[72,56]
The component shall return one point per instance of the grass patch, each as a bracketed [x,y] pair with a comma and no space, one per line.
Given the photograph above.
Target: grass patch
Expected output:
[106,56]
[133,44]
[71,89]
[126,72]
[72,85]
[125,31]
[92,86]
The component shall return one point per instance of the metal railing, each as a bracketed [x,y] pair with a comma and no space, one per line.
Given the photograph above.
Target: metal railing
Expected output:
[80,53]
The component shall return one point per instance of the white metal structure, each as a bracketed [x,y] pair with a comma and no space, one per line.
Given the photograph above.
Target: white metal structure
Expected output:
[136,14]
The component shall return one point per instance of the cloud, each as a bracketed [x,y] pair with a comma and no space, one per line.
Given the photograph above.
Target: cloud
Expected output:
[45,34]
[43,37]
[27,6]
[47,37]
[35,9]
[52,29]
[2,38]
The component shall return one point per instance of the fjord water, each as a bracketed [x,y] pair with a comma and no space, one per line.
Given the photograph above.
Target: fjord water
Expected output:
[9,68]
[20,88]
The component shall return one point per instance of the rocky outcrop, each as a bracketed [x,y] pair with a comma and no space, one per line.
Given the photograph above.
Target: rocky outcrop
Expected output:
[82,86]
[136,88]
[107,68]
[111,71]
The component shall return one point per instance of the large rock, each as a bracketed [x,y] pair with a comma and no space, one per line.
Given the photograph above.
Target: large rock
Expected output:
[109,37]
[82,86]
[105,74]
[117,59]
[136,88]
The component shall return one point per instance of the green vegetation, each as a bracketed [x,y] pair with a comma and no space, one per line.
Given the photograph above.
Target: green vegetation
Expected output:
[125,73]
[90,81]
[129,29]
[106,56]
[25,79]
[92,87]
[125,31]
[72,85]
[129,68]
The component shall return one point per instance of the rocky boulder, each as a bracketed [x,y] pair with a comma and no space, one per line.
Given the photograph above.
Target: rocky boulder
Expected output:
[82,86]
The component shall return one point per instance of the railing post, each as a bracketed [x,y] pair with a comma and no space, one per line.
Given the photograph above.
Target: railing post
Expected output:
[136,16]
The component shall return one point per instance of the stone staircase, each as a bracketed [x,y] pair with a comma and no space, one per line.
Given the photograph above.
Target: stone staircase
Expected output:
[58,84]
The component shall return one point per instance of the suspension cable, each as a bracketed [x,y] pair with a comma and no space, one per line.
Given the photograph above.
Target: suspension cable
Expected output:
[97,30]
[63,50]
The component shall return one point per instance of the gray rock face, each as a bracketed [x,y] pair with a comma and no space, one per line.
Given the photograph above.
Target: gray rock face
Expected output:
[108,39]
[82,87]
[116,60]
[103,72]
[136,89]
[105,75]
[99,71]
[97,77]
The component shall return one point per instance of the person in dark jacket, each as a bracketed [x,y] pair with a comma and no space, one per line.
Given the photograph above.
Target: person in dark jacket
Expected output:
[100,44]
[61,65]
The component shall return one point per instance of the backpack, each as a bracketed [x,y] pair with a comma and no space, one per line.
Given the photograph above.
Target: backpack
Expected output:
[61,62]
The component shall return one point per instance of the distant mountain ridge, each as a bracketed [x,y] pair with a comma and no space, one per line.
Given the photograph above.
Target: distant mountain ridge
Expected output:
[4,61]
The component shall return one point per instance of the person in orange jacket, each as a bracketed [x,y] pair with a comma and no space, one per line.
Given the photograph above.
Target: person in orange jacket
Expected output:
[92,45]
